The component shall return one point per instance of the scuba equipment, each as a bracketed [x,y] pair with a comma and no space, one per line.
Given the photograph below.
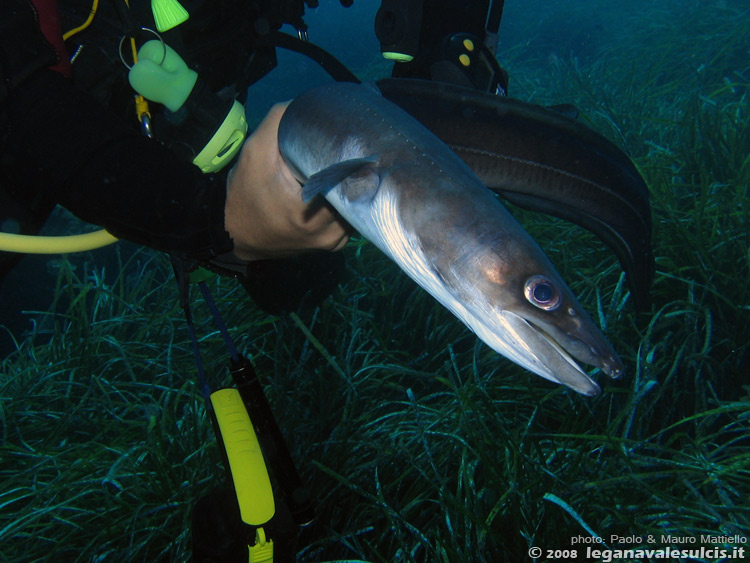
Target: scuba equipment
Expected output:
[397,26]
[466,61]
[445,43]
[246,466]
[28,244]
[206,129]
[168,14]
[162,76]
[250,513]
[244,457]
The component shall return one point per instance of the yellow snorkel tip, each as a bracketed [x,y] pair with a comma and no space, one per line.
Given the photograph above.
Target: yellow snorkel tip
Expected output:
[168,14]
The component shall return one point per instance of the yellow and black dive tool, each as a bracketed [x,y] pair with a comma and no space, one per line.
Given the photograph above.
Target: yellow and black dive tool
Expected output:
[247,468]
[251,442]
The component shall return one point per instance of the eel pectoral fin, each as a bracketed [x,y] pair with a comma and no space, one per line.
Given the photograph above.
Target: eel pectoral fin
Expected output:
[325,180]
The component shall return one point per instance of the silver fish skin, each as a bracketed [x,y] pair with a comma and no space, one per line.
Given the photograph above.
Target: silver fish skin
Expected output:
[406,192]
[540,160]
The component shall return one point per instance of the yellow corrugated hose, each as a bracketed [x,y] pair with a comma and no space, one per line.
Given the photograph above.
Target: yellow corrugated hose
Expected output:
[55,245]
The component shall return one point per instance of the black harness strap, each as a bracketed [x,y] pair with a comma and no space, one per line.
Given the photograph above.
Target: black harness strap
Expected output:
[328,62]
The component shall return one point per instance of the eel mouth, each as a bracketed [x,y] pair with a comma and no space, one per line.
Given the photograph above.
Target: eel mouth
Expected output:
[536,348]
[575,378]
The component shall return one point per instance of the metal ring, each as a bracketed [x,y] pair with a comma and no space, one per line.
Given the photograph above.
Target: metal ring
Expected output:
[158,36]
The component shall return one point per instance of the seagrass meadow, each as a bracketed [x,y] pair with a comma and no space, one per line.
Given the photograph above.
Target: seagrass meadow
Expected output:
[418,442]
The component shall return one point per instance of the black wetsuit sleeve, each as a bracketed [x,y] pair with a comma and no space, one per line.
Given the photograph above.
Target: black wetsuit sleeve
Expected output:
[76,153]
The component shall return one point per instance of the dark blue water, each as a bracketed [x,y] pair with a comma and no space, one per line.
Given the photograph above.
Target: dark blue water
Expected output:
[347,33]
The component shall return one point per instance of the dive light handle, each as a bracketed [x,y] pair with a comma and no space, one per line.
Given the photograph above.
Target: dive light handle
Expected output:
[296,494]
[252,484]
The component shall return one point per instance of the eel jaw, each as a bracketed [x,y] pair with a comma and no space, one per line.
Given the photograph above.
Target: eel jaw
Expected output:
[575,378]
[535,349]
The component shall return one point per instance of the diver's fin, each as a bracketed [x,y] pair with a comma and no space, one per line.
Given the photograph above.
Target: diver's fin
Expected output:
[539,159]
[328,178]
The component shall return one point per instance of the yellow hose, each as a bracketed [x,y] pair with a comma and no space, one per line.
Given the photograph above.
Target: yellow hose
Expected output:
[55,245]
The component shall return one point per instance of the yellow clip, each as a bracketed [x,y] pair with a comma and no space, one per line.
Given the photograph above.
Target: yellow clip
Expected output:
[262,551]
[141,107]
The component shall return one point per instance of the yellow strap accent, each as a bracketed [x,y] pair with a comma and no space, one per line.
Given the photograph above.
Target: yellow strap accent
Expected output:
[141,104]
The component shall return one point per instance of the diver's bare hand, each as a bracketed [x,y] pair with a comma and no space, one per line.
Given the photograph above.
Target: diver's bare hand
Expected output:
[264,213]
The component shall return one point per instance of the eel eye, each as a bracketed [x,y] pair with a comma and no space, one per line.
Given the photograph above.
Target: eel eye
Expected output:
[542,293]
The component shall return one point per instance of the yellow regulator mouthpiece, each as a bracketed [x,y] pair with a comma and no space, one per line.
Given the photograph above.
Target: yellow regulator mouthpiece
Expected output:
[161,75]
[168,14]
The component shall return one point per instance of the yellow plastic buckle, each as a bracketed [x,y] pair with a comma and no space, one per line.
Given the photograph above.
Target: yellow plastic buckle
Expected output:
[262,551]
